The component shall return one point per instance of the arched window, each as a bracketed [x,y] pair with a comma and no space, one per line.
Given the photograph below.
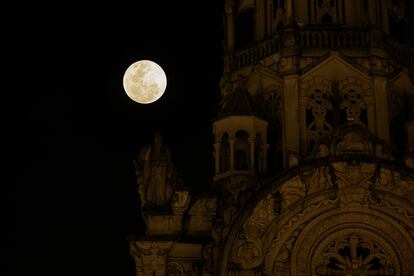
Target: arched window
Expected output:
[244,29]
[225,153]
[242,151]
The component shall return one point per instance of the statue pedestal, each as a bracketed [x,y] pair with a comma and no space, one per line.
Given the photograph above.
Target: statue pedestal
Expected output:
[168,222]
[163,224]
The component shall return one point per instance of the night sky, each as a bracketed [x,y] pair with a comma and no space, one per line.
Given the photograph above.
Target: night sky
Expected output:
[76,200]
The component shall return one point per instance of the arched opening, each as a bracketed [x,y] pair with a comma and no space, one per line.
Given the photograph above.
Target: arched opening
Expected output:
[244,28]
[242,151]
[224,153]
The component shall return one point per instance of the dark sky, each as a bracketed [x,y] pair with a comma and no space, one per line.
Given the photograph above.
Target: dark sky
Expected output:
[76,199]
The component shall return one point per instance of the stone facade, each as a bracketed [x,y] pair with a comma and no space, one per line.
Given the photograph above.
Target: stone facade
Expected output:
[314,151]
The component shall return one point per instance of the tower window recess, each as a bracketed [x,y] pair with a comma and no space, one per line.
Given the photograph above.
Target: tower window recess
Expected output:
[244,29]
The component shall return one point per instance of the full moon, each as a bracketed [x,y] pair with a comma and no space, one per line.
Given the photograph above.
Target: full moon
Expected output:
[144,81]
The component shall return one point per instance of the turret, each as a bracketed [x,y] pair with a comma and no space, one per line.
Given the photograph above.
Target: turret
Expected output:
[240,132]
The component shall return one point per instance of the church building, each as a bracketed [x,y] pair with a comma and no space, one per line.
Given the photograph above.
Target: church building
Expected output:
[313,150]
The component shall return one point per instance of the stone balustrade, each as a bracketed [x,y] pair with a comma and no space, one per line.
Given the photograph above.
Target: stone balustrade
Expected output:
[323,38]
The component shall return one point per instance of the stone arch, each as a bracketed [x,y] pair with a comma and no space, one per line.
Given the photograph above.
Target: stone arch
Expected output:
[306,206]
[305,243]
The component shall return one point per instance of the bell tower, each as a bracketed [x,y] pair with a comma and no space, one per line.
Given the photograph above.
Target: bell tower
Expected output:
[322,63]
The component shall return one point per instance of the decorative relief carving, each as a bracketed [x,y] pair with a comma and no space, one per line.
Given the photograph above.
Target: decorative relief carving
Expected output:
[355,255]
[352,251]
[175,269]
[284,228]
[395,183]
[353,142]
[353,102]
[354,182]
[291,191]
[150,255]
[281,265]
[279,251]
[353,173]
[351,138]
[247,250]
[263,214]
[400,210]
[353,93]
[272,103]
[318,103]
[317,180]
[329,104]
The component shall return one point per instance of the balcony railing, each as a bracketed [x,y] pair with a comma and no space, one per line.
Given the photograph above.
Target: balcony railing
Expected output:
[253,54]
[323,38]
[333,39]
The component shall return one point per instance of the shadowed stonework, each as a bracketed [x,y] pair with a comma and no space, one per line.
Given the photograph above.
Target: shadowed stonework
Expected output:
[314,151]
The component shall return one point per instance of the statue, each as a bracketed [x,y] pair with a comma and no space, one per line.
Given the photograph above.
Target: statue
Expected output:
[155,174]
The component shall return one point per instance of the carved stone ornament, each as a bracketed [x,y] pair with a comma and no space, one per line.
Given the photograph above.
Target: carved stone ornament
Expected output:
[292,191]
[355,255]
[247,252]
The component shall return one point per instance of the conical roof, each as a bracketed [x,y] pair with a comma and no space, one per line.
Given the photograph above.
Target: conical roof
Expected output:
[241,103]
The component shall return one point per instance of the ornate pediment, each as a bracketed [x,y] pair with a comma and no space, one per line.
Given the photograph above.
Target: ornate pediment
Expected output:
[333,65]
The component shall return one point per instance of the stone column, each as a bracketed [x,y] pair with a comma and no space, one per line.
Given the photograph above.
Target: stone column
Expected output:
[291,130]
[289,12]
[231,141]
[260,19]
[381,108]
[269,17]
[229,9]
[252,142]
[372,12]
[383,14]
[217,147]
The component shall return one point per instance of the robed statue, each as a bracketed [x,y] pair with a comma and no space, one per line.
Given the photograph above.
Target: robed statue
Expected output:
[155,174]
